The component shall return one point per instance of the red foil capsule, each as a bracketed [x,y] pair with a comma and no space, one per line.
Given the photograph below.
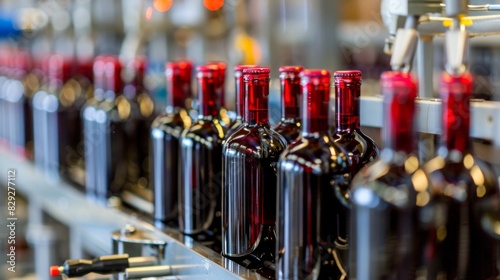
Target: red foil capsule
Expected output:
[256,82]
[239,88]
[347,92]
[290,90]
[113,74]
[208,83]
[315,96]
[399,91]
[60,69]
[178,82]
[455,93]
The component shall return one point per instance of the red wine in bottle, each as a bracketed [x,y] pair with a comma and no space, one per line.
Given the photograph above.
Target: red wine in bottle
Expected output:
[201,160]
[224,117]
[239,92]
[308,173]
[250,156]
[57,119]
[90,133]
[466,195]
[361,148]
[391,197]
[289,126]
[142,108]
[166,132]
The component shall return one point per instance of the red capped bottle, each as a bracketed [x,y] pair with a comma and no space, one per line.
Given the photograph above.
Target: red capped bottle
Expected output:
[201,160]
[361,148]
[466,194]
[90,133]
[166,133]
[239,91]
[289,126]
[57,119]
[109,135]
[391,198]
[250,156]
[221,93]
[309,172]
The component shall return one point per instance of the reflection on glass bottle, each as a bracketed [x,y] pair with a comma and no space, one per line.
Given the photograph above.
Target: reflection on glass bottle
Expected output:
[361,148]
[201,160]
[57,120]
[391,197]
[289,126]
[250,156]
[239,92]
[165,136]
[467,199]
[308,172]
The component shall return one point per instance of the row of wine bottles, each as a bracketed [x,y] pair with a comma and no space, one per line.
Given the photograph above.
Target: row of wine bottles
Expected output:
[297,201]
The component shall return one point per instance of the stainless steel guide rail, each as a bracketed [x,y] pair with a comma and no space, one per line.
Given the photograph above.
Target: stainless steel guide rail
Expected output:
[485,117]
[90,225]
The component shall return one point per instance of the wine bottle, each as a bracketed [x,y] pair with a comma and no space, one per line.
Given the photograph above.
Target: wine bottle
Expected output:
[90,133]
[57,119]
[391,198]
[137,130]
[221,93]
[250,156]
[239,97]
[361,148]
[201,160]
[109,143]
[308,173]
[289,126]
[466,194]
[166,132]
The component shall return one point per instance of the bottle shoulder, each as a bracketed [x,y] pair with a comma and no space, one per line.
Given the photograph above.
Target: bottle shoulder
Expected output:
[290,130]
[401,183]
[318,155]
[357,143]
[463,177]
[205,130]
[173,120]
[258,140]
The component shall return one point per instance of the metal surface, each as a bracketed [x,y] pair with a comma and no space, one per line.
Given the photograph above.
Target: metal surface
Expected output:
[485,117]
[95,222]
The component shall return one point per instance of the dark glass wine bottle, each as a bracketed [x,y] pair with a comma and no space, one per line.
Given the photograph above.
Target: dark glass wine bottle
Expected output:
[239,97]
[137,130]
[361,148]
[308,173]
[166,132]
[110,137]
[57,119]
[289,126]
[201,160]
[90,133]
[391,197]
[250,156]
[221,93]
[467,199]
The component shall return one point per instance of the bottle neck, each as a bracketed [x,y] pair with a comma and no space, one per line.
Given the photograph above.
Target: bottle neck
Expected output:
[315,102]
[399,91]
[177,92]
[256,101]
[207,92]
[347,105]
[290,92]
[455,95]
[240,93]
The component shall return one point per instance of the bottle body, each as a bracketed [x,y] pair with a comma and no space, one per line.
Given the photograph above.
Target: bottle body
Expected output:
[166,133]
[249,163]
[389,225]
[466,194]
[308,209]
[200,181]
